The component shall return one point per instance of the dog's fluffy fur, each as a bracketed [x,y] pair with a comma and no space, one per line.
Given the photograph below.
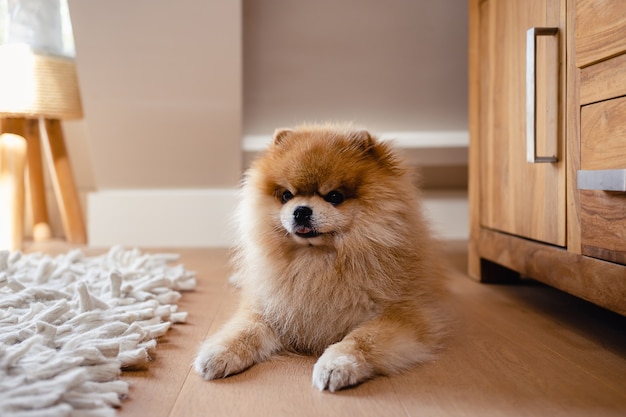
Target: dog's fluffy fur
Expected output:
[334,259]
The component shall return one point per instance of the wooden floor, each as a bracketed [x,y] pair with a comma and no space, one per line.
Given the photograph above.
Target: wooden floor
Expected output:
[517,350]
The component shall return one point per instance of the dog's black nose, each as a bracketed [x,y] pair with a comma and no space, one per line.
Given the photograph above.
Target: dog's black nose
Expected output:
[302,215]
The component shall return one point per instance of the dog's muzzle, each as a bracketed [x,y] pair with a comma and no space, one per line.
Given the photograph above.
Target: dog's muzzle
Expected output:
[302,222]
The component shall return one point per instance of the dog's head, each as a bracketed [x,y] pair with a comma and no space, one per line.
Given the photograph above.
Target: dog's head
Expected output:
[317,182]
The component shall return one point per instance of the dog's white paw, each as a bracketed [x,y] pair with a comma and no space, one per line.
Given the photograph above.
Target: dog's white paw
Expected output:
[335,370]
[217,361]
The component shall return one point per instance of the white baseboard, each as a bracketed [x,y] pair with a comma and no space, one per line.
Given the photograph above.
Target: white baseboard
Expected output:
[448,212]
[161,217]
[423,148]
[169,218]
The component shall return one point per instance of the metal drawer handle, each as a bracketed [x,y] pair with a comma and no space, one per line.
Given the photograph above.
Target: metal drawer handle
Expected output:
[605,180]
[531,94]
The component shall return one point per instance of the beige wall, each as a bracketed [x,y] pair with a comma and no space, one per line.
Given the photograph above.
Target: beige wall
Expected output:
[165,106]
[393,65]
[161,88]
[170,87]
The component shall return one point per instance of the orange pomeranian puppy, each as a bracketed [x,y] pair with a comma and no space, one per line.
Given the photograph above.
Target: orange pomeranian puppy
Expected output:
[334,258]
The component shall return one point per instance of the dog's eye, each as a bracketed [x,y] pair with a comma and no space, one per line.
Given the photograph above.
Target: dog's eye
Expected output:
[286,196]
[334,197]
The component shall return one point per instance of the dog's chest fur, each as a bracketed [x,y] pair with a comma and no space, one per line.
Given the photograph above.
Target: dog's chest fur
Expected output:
[311,304]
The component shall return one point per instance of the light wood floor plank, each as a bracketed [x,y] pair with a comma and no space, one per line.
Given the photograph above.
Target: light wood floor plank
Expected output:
[516,350]
[155,389]
[578,332]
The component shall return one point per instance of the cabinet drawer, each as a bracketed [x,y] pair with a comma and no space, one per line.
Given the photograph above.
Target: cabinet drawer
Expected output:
[603,135]
[603,225]
[604,80]
[600,28]
[603,147]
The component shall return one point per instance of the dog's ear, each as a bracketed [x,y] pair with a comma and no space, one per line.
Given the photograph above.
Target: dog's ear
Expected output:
[280,134]
[374,148]
[363,139]
[366,143]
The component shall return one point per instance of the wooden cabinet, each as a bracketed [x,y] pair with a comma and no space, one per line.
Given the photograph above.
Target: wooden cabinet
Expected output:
[531,217]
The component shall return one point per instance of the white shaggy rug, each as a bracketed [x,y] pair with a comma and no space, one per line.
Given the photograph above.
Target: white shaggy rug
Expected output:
[69,323]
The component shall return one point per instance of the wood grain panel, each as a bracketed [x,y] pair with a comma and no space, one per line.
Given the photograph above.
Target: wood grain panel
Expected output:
[600,282]
[572,134]
[603,81]
[603,224]
[603,135]
[517,197]
[474,115]
[600,28]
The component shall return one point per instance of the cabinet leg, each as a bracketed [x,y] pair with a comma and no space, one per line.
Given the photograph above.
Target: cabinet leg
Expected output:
[493,273]
[41,223]
[63,181]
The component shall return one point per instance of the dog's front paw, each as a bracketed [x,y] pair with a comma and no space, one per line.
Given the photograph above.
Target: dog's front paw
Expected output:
[335,370]
[217,361]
